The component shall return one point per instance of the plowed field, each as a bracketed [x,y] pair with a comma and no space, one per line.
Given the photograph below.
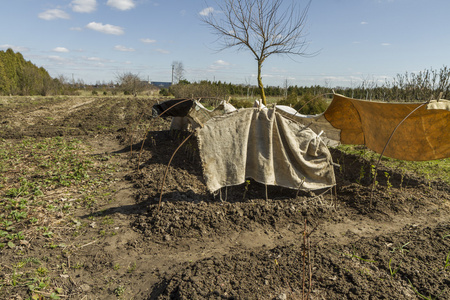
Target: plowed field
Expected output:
[80,217]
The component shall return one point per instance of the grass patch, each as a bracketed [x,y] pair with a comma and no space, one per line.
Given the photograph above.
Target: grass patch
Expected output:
[42,182]
[433,170]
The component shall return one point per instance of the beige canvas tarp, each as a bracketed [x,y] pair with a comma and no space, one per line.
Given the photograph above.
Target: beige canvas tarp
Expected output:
[266,146]
[425,135]
[281,147]
[317,123]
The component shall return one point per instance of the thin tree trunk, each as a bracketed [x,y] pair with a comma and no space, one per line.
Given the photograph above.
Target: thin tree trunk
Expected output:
[260,84]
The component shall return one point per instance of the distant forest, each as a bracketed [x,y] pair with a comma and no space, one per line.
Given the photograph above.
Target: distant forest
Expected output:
[21,77]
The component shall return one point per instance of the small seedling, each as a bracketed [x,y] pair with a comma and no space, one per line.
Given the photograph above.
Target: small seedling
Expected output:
[42,271]
[373,171]
[388,183]
[118,291]
[108,220]
[353,255]
[132,267]
[247,183]
[48,234]
[361,174]
[402,248]
[392,271]
[78,266]
[54,296]
[447,261]
[419,294]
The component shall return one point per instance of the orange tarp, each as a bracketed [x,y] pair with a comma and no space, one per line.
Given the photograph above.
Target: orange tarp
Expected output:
[425,135]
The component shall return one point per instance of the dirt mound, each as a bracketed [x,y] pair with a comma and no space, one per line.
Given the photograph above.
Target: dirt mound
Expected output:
[370,268]
[357,252]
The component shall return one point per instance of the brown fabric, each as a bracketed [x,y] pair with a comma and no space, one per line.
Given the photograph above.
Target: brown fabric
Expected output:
[425,135]
[265,146]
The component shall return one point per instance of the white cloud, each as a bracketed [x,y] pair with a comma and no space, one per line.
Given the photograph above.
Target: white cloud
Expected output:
[221,63]
[385,44]
[364,23]
[61,50]
[84,6]
[121,4]
[148,41]
[206,11]
[15,48]
[123,48]
[162,51]
[218,65]
[53,14]
[107,28]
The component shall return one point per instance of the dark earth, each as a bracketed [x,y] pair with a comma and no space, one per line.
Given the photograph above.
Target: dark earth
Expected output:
[351,242]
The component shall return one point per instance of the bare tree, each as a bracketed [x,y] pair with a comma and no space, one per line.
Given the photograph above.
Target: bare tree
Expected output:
[177,72]
[264,27]
[130,83]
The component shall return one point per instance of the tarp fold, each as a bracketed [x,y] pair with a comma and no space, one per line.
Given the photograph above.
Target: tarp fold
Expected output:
[266,146]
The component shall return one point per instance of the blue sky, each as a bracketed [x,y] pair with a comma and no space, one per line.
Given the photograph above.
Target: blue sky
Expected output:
[95,40]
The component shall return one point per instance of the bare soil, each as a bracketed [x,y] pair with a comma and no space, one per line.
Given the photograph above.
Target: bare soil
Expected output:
[351,242]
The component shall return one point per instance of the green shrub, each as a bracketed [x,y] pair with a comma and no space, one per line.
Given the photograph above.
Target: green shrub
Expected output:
[164,92]
[307,104]
[241,103]
[311,105]
[291,100]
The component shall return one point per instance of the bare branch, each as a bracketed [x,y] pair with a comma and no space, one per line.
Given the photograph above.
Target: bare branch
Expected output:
[264,27]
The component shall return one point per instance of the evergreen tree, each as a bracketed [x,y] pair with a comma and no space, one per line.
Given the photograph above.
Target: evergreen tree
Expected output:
[21,77]
[4,84]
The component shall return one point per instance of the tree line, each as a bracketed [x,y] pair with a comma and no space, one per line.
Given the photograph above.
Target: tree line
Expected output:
[21,77]
[219,89]
[409,87]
